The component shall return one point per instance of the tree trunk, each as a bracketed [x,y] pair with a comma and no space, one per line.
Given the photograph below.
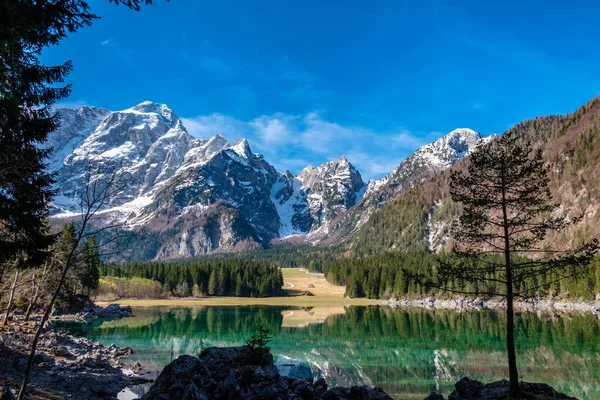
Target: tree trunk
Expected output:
[513,374]
[33,299]
[36,293]
[12,297]
[510,340]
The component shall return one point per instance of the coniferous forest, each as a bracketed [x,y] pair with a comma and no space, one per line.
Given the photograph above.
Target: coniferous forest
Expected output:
[395,275]
[226,277]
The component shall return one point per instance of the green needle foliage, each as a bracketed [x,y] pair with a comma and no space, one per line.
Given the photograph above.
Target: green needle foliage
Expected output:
[259,349]
[507,212]
[28,89]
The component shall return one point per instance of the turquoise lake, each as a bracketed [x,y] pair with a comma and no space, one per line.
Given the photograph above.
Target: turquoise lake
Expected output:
[409,353]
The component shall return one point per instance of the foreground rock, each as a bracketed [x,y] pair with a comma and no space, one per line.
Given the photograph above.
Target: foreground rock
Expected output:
[468,389]
[233,373]
[65,366]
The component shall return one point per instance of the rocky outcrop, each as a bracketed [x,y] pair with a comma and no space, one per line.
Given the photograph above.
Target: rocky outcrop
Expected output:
[424,163]
[80,307]
[234,373]
[65,366]
[468,389]
[463,303]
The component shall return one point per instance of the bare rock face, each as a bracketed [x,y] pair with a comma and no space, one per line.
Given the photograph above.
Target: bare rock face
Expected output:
[235,373]
[424,163]
[168,185]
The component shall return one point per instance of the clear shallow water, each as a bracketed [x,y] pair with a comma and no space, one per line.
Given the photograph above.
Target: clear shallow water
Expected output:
[407,352]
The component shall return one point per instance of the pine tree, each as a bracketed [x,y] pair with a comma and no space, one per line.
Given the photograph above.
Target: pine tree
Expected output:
[28,90]
[507,211]
[89,272]
[65,241]
[213,284]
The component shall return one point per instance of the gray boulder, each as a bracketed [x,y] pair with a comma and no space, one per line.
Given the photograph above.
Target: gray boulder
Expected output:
[238,373]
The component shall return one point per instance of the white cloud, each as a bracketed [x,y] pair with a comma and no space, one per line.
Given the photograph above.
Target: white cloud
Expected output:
[105,42]
[294,141]
[205,126]
[407,139]
[274,129]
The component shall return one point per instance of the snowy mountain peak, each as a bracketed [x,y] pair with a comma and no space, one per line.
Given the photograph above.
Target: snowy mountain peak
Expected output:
[447,150]
[461,140]
[149,107]
[155,111]
[242,148]
[217,141]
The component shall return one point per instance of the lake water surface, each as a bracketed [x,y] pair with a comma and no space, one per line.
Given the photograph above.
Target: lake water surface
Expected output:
[409,353]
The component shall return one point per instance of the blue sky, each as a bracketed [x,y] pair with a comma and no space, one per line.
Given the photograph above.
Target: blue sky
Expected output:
[309,81]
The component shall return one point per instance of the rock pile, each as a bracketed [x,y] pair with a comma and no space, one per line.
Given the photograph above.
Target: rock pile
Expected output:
[68,367]
[232,373]
[91,311]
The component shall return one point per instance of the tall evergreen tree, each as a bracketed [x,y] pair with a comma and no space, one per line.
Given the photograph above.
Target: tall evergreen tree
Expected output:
[28,89]
[89,272]
[213,284]
[507,211]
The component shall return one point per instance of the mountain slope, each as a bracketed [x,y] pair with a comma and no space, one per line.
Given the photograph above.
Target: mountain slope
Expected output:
[424,163]
[181,196]
[420,218]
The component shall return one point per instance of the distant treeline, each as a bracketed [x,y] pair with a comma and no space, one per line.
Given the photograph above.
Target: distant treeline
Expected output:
[225,277]
[287,256]
[395,274]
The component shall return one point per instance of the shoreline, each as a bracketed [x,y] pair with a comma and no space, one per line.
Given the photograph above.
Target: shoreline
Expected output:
[291,301]
[66,366]
[468,304]
[457,304]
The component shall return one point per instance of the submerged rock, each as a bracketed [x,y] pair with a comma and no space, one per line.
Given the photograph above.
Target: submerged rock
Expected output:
[236,373]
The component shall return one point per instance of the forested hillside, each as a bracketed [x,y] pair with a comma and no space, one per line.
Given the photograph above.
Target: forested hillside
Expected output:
[419,219]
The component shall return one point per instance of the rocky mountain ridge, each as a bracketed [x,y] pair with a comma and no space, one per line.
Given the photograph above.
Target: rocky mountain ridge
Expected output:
[424,163]
[182,196]
[420,219]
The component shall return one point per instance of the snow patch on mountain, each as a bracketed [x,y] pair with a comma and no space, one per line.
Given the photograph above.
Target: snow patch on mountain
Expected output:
[194,188]
[290,206]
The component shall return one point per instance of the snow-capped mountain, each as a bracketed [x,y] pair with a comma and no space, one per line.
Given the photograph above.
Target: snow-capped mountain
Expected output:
[332,189]
[184,196]
[180,196]
[425,162]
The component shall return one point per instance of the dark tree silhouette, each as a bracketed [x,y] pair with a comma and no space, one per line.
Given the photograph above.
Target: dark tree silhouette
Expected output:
[507,211]
[28,89]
